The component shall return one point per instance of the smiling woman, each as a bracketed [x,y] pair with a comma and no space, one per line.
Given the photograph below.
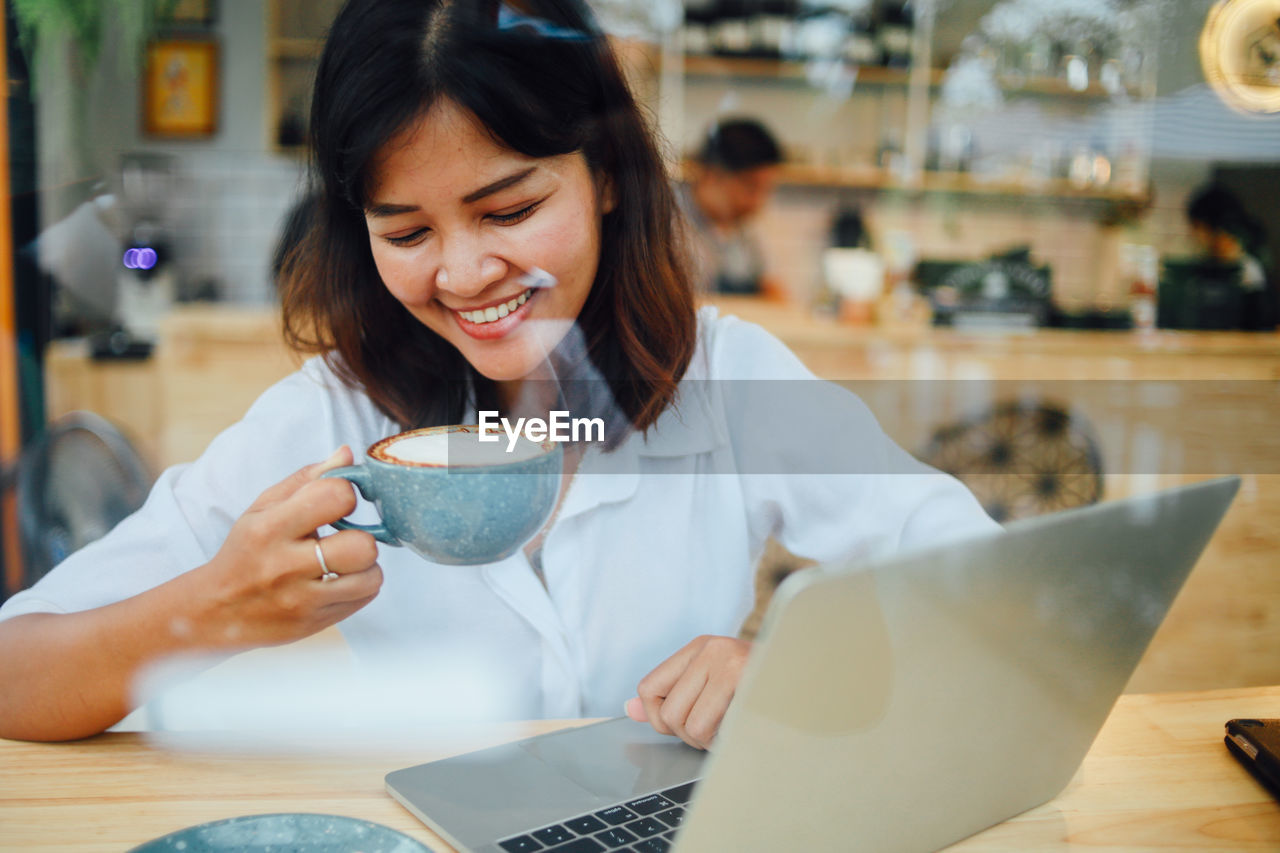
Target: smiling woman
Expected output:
[463,147]
[490,210]
[456,256]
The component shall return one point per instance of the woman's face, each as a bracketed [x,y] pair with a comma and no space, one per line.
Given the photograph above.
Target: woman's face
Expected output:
[456,221]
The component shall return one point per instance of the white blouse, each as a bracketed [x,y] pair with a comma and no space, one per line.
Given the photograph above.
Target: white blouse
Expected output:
[655,543]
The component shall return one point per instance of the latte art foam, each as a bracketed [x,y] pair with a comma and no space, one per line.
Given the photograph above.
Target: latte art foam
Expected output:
[458,448]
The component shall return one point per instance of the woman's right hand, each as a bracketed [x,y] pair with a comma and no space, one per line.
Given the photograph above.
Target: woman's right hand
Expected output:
[264,583]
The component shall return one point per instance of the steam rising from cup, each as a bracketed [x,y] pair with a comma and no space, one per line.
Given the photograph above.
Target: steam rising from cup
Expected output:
[568,377]
[538,277]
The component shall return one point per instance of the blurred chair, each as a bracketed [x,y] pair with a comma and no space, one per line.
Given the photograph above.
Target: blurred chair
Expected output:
[774,566]
[1019,459]
[74,483]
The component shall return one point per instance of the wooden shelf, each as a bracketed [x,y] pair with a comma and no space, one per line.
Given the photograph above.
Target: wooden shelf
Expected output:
[1057,87]
[961,183]
[811,175]
[699,66]
[799,174]
[758,69]
[1056,188]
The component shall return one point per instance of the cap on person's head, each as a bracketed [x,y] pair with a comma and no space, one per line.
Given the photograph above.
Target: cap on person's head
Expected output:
[739,144]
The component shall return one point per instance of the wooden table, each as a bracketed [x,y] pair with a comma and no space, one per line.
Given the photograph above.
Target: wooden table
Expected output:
[1158,777]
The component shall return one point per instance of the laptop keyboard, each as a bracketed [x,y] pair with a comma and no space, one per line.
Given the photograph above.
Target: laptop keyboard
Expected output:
[642,825]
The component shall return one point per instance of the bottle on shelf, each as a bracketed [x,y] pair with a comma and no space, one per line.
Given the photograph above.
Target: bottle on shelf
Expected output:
[1111,77]
[861,46]
[1039,56]
[819,35]
[1134,67]
[1100,171]
[853,274]
[889,154]
[769,23]
[1089,166]
[897,20]
[730,30]
[1080,166]
[699,17]
[1075,66]
[1140,265]
[849,236]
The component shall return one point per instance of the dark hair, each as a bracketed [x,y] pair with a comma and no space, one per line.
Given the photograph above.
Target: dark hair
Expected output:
[739,144]
[1218,209]
[540,76]
[293,231]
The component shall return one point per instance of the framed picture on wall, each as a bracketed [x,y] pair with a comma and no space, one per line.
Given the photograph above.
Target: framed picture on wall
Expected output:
[180,89]
[188,13]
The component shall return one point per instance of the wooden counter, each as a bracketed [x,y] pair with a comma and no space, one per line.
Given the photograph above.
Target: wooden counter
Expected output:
[837,350]
[1157,777]
[209,367]
[213,361]
[1180,407]
[1224,630]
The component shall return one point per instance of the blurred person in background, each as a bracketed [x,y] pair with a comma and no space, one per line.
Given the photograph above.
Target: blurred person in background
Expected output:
[733,176]
[1227,233]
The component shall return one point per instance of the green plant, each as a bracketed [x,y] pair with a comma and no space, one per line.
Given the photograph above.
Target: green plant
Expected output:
[83,24]
[76,29]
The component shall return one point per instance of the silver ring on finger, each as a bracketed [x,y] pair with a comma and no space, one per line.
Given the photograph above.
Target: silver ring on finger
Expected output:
[325,573]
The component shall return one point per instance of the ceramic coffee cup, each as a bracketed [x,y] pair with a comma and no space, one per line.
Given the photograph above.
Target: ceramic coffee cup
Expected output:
[452,499]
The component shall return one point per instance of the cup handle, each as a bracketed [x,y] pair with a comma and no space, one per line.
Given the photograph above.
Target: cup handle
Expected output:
[358,476]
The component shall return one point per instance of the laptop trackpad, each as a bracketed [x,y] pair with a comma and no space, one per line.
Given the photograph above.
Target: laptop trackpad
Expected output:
[493,793]
[617,758]
[474,798]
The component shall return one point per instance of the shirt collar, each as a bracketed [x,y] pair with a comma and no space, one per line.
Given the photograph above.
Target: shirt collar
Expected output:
[689,426]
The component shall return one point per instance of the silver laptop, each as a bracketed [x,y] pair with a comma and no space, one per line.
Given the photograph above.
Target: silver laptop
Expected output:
[900,706]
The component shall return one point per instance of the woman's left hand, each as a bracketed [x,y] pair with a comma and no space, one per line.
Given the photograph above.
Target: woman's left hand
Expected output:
[688,693]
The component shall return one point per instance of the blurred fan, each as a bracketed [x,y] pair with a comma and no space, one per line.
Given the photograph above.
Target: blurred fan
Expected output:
[1022,459]
[1019,459]
[74,483]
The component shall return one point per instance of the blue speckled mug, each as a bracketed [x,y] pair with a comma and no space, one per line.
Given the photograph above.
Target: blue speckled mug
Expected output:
[451,500]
